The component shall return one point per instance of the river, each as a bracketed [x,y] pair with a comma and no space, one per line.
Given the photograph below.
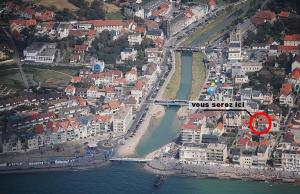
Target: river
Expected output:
[122,178]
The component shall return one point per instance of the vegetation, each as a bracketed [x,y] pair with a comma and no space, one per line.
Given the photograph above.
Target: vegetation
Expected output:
[107,49]
[93,10]
[173,85]
[199,72]
[279,5]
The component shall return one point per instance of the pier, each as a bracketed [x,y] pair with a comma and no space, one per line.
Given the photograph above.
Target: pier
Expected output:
[136,160]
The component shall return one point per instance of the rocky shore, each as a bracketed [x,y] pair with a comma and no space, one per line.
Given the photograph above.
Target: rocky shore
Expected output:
[221,171]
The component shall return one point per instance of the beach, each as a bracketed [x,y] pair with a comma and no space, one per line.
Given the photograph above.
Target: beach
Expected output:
[128,149]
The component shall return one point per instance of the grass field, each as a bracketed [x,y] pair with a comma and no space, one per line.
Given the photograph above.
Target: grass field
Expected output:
[199,73]
[48,77]
[59,4]
[173,85]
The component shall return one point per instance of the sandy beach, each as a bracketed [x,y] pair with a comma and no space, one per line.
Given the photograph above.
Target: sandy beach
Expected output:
[128,149]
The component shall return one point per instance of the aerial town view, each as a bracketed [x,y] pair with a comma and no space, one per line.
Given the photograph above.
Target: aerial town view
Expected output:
[149,96]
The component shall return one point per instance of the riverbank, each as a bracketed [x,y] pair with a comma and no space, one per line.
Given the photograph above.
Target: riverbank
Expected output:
[129,147]
[173,83]
[198,75]
[221,171]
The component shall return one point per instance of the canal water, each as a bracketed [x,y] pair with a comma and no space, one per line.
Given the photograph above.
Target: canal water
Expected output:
[122,178]
[166,130]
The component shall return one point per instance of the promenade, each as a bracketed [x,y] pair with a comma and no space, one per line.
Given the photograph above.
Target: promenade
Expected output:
[169,166]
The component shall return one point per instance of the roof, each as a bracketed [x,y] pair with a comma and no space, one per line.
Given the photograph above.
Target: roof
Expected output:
[102,118]
[284,48]
[292,37]
[286,89]
[189,126]
[139,85]
[284,14]
[101,23]
[296,73]
[23,22]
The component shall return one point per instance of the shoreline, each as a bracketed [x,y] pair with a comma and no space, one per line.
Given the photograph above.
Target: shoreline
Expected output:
[129,148]
[161,167]
[54,169]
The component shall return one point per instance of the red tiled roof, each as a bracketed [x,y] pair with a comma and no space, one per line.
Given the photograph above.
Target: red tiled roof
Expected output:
[292,37]
[284,14]
[27,23]
[296,73]
[212,2]
[76,79]
[39,129]
[100,23]
[189,126]
[102,118]
[284,48]
[286,89]
[82,47]
[139,85]
[139,29]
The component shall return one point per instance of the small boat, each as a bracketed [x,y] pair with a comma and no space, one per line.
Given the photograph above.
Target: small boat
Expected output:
[158,181]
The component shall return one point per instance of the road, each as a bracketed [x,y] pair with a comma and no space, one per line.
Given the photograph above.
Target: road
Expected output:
[16,57]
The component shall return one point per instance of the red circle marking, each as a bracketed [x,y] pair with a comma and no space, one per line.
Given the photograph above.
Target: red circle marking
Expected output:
[265,131]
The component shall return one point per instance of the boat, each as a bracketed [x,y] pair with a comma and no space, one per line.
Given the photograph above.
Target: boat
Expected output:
[158,181]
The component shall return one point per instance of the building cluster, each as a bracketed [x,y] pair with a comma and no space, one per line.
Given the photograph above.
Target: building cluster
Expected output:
[225,137]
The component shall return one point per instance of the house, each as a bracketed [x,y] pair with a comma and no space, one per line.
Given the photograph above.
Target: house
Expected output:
[296,63]
[93,92]
[79,49]
[263,16]
[292,40]
[122,120]
[100,25]
[232,119]
[102,124]
[75,58]
[133,9]
[241,79]
[152,73]
[199,153]
[45,16]
[129,54]
[135,38]
[155,33]
[70,90]
[286,95]
[63,30]
[40,52]
[138,90]
[162,9]
[153,55]
[284,14]
[131,76]
[200,11]
[235,46]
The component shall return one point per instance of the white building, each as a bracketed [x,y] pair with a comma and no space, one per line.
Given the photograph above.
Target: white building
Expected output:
[128,54]
[122,120]
[135,38]
[40,52]
[235,46]
[195,153]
